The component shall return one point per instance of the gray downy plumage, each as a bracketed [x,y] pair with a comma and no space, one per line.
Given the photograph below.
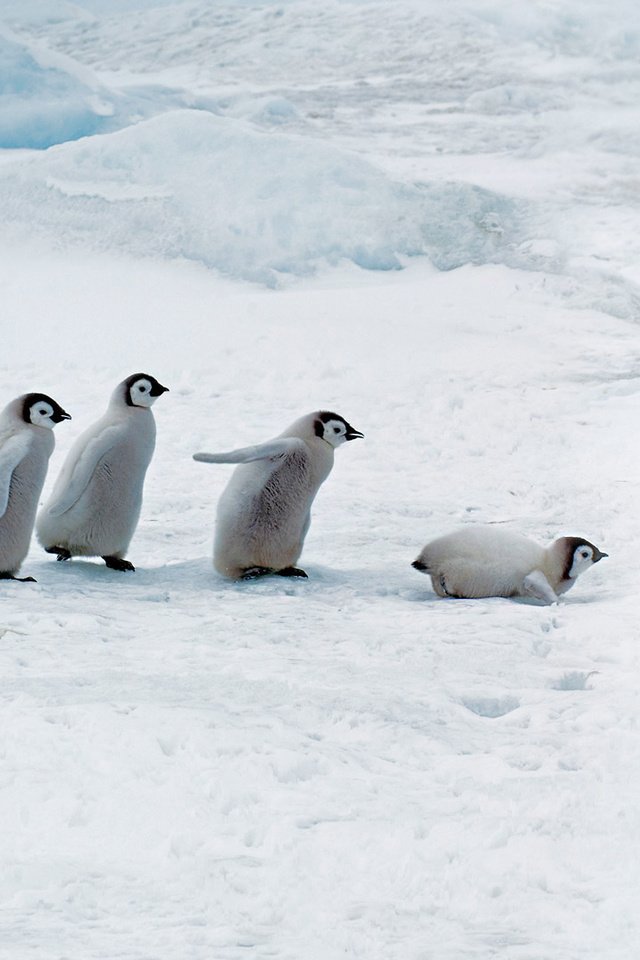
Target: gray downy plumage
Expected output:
[26,443]
[487,561]
[97,497]
[264,513]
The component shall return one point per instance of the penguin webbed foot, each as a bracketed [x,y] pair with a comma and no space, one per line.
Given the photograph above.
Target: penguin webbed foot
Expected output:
[292,572]
[10,576]
[254,573]
[61,552]
[117,563]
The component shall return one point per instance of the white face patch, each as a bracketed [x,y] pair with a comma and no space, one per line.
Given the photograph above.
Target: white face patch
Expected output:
[41,413]
[582,560]
[334,432]
[140,393]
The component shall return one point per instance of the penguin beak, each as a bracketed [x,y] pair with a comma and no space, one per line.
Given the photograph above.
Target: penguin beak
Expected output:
[61,415]
[158,390]
[352,434]
[598,555]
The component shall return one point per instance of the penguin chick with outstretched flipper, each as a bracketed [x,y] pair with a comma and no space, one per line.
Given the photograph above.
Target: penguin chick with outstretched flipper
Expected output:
[26,443]
[264,513]
[484,561]
[95,505]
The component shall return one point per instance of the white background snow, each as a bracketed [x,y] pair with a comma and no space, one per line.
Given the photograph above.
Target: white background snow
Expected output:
[424,216]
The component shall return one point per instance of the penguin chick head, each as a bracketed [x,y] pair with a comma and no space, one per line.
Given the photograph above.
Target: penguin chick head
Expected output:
[42,411]
[141,390]
[579,555]
[333,428]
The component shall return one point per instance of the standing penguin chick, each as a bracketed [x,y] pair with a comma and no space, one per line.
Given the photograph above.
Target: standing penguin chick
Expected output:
[95,504]
[264,512]
[487,562]
[26,443]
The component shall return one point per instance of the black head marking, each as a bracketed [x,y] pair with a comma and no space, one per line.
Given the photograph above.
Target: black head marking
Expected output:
[31,398]
[324,416]
[156,387]
[572,544]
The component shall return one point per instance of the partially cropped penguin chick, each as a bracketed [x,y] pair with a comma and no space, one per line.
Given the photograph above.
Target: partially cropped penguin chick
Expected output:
[95,504]
[487,562]
[26,443]
[264,513]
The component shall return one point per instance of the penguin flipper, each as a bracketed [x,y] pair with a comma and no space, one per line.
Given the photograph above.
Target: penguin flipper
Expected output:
[270,450]
[83,470]
[536,585]
[12,453]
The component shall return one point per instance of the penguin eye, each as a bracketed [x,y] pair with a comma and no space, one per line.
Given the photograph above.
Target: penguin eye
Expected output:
[43,412]
[336,429]
[141,389]
[585,554]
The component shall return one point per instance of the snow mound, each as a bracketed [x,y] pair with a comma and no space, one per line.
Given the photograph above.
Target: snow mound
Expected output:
[47,100]
[253,205]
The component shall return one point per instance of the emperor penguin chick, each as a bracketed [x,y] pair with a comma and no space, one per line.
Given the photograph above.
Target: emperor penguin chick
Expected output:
[95,504]
[264,512]
[26,443]
[484,561]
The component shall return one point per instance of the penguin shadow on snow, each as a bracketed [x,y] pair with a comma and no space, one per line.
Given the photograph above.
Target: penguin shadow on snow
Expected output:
[369,583]
[176,577]
[91,572]
[429,596]
[191,574]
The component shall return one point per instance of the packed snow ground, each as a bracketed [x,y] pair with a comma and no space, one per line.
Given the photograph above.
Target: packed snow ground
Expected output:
[347,766]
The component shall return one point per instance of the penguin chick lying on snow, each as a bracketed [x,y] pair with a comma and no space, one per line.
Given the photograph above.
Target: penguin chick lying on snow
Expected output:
[264,512]
[26,443]
[95,504]
[487,562]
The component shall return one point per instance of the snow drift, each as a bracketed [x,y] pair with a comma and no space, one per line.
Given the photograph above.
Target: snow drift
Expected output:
[253,205]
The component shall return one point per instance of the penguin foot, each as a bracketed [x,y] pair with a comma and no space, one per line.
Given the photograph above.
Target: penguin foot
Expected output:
[62,552]
[10,576]
[252,573]
[292,572]
[117,563]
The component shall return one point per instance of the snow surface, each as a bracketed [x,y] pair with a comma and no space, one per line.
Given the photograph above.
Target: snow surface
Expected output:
[346,766]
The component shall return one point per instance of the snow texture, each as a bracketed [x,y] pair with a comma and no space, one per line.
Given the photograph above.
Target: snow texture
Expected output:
[347,766]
